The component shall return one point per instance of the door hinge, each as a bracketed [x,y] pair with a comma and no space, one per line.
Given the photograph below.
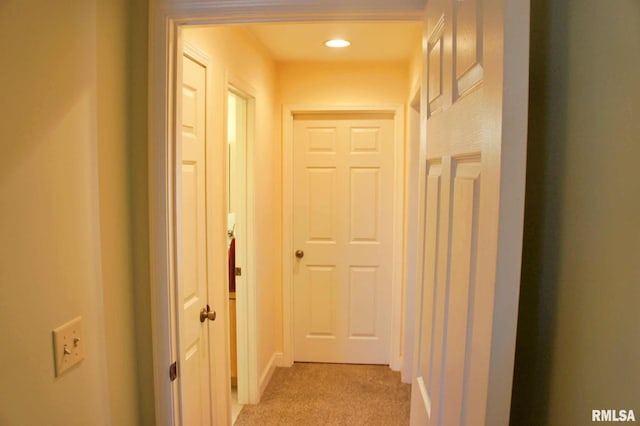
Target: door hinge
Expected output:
[173,371]
[238,271]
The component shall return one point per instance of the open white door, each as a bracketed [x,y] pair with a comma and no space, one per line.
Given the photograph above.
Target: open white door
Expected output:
[475,111]
[194,379]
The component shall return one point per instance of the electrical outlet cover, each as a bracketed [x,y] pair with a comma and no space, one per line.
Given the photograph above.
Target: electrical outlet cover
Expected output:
[68,345]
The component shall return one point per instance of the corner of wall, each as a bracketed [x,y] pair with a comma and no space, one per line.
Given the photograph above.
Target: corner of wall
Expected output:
[276,360]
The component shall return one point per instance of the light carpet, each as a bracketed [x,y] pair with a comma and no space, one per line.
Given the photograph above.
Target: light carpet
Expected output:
[331,394]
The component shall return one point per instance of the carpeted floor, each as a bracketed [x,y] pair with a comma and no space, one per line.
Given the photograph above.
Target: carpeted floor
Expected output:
[331,394]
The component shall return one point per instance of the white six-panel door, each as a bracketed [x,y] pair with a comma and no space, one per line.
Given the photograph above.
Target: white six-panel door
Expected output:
[194,379]
[475,110]
[342,219]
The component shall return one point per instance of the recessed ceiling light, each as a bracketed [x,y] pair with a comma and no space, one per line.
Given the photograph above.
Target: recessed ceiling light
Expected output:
[337,43]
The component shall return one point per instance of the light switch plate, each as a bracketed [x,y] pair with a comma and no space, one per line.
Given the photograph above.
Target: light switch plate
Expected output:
[68,345]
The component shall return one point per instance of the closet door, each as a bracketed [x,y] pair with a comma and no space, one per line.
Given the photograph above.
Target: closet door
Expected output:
[343,224]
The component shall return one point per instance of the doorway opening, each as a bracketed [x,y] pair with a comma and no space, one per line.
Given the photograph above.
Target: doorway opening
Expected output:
[160,318]
[240,233]
[467,143]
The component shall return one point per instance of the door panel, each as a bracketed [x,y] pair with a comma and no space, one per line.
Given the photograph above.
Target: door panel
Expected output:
[475,132]
[322,315]
[343,194]
[363,303]
[364,193]
[456,323]
[322,188]
[195,396]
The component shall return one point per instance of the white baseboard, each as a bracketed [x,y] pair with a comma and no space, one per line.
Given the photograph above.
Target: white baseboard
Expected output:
[277,360]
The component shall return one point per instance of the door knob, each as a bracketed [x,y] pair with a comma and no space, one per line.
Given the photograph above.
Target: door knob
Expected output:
[299,254]
[207,314]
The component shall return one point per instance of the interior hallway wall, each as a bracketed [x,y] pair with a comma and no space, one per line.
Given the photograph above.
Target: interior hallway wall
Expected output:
[235,52]
[75,96]
[128,348]
[138,196]
[342,83]
[50,245]
[577,344]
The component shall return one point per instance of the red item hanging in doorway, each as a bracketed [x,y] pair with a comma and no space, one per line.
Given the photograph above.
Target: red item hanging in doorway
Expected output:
[232,266]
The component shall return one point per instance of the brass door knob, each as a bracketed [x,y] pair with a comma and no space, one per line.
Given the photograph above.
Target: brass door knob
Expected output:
[299,254]
[207,314]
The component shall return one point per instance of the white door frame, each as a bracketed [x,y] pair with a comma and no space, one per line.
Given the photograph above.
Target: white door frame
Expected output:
[166,17]
[246,321]
[288,114]
[411,273]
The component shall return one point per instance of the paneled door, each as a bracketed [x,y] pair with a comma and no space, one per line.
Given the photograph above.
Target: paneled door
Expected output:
[342,236]
[192,289]
[475,111]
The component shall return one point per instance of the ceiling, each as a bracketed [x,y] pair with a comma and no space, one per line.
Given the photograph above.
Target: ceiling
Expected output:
[370,41]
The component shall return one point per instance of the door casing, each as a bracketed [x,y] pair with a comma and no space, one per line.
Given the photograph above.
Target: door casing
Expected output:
[410,272]
[247,337]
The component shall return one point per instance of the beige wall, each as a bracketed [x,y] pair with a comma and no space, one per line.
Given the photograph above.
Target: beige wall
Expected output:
[236,54]
[578,345]
[342,83]
[115,208]
[66,230]
[415,67]
[50,246]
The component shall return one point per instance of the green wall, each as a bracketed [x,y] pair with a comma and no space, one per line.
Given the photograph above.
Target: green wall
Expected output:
[139,203]
[578,345]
